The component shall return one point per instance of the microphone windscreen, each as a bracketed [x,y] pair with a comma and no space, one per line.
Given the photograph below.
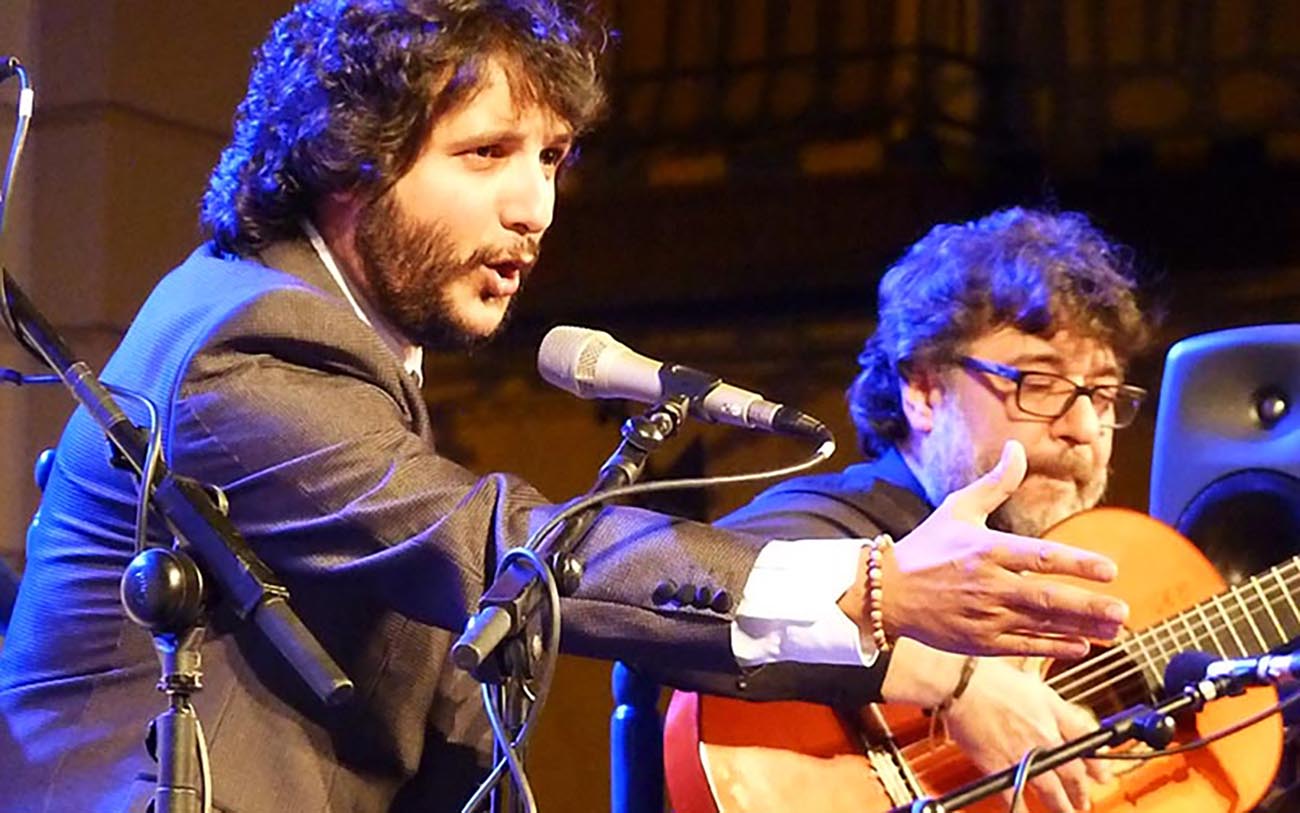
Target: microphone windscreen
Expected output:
[593,364]
[567,356]
[1186,669]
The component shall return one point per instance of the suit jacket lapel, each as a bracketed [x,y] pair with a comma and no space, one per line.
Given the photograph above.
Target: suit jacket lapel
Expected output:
[299,259]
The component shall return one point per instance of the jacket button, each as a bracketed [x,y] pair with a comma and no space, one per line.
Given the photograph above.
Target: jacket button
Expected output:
[664,592]
[703,597]
[685,594]
[721,602]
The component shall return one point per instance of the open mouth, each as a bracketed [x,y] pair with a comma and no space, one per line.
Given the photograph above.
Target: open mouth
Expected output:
[506,277]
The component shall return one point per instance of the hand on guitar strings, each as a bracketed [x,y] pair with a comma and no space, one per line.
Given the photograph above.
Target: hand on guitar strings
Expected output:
[957,585]
[1003,711]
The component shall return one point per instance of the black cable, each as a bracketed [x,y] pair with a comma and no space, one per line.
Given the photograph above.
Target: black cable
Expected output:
[547,662]
[824,451]
[26,97]
[1022,777]
[153,452]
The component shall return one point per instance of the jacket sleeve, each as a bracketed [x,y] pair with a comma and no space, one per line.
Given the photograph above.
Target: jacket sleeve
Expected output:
[299,413]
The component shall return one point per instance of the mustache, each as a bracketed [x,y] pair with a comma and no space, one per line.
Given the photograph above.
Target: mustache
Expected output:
[1072,465]
[1068,466]
[522,255]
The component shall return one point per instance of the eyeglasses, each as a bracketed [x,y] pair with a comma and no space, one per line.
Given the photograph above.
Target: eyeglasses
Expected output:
[1048,395]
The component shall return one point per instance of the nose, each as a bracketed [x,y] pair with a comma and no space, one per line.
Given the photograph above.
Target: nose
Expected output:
[528,198]
[1080,423]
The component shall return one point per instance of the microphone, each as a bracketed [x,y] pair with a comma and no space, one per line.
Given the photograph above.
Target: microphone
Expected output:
[593,364]
[1188,668]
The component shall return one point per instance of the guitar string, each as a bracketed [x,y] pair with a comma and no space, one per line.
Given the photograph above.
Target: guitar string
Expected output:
[945,751]
[1167,632]
[1118,655]
[1208,624]
[1155,630]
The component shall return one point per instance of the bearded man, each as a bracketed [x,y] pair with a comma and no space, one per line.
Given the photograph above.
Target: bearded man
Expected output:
[997,338]
[390,177]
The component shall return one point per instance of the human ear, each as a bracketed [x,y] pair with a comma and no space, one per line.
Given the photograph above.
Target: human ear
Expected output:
[920,392]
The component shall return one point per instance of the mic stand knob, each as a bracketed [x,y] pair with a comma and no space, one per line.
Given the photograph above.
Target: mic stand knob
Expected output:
[568,573]
[1155,729]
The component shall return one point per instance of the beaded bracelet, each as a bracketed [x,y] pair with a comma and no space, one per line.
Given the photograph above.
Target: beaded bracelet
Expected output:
[875,548]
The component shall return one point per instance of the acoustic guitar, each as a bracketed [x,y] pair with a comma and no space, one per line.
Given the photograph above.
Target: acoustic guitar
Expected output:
[727,756]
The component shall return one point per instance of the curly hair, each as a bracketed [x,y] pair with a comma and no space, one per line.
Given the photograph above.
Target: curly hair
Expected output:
[1036,271]
[343,95]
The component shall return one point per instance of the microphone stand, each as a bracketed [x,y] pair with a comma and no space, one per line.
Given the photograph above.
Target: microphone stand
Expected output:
[499,646]
[1152,725]
[162,589]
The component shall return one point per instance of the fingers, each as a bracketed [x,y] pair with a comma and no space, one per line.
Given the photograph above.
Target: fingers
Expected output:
[1073,778]
[1076,721]
[1051,607]
[1098,771]
[1053,793]
[976,501]
[1022,553]
[1069,627]
[1068,787]
[1061,647]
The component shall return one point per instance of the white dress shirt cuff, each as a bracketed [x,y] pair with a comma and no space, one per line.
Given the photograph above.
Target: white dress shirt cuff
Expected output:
[789,610]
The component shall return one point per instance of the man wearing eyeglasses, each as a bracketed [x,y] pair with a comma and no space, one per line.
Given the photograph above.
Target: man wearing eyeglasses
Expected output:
[1006,333]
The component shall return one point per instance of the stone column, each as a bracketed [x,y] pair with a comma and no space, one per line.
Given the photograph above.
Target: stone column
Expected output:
[133,104]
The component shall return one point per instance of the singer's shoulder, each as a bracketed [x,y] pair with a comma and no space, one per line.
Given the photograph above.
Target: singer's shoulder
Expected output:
[210,294]
[291,264]
[213,283]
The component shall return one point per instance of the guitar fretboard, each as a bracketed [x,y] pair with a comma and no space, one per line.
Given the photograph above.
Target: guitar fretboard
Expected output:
[1254,617]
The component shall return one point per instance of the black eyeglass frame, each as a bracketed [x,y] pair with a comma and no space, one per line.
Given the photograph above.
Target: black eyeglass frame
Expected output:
[1122,392]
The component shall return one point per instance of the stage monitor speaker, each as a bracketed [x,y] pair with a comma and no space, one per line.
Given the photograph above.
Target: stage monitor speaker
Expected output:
[1226,464]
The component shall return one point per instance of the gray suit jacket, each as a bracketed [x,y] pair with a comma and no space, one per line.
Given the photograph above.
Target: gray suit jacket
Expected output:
[269,386]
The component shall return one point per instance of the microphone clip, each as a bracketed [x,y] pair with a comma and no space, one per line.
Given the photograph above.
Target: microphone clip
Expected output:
[642,434]
[681,382]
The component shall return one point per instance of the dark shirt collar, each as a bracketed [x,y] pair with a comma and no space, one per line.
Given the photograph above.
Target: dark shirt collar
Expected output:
[891,467]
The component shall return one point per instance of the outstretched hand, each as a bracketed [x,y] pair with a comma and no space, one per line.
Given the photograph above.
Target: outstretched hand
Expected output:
[957,585]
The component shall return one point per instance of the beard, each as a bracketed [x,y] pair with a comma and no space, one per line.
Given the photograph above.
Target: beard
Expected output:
[1054,488]
[410,267]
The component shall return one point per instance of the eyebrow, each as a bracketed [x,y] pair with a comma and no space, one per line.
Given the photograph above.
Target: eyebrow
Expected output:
[509,135]
[1053,360]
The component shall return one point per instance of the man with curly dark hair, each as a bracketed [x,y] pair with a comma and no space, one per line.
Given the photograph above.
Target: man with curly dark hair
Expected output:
[390,177]
[1010,330]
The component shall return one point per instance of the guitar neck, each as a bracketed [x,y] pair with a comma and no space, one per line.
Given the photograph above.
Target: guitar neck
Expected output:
[1250,618]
